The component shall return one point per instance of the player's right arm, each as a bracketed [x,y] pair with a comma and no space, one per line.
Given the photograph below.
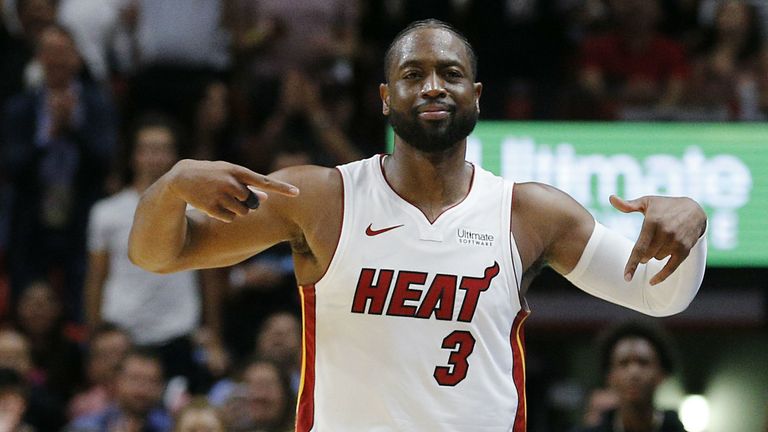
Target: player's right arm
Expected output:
[165,237]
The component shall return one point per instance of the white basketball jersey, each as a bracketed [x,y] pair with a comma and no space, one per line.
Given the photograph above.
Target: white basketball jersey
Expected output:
[416,326]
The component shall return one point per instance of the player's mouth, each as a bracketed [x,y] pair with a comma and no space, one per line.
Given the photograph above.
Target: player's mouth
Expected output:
[434,111]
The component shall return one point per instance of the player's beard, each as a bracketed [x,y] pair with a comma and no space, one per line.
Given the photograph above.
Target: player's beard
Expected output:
[433,136]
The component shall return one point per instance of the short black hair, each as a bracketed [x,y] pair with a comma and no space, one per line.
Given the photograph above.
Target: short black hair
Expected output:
[434,24]
[653,334]
[122,164]
[156,119]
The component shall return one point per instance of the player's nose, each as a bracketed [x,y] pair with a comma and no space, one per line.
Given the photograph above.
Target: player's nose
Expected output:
[433,87]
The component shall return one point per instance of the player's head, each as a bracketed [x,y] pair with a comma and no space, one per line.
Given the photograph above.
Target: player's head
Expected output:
[430,94]
[389,56]
[635,359]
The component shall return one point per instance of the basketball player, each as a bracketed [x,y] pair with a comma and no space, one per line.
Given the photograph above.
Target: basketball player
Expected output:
[410,264]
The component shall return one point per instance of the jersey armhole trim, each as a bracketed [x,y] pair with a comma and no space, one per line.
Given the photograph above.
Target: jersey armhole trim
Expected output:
[340,247]
[514,251]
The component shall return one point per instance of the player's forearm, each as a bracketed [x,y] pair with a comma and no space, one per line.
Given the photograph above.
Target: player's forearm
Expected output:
[600,273]
[159,231]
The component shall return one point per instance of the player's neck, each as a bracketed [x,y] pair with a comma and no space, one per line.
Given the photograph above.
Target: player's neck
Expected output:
[433,182]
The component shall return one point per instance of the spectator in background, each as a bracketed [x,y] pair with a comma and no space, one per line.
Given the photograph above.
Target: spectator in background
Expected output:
[13,402]
[214,126]
[600,401]
[139,386]
[93,23]
[633,72]
[635,359]
[272,37]
[725,79]
[279,341]
[708,11]
[199,416]
[14,352]
[59,142]
[22,23]
[301,116]
[159,311]
[272,401]
[18,49]
[171,50]
[55,353]
[43,411]
[259,399]
[107,346]
[258,286]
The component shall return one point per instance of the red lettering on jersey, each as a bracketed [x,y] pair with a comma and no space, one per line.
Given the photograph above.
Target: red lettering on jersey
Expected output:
[377,293]
[402,292]
[440,297]
[473,287]
[442,290]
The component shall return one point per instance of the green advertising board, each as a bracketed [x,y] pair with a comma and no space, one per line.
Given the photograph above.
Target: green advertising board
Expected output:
[722,166]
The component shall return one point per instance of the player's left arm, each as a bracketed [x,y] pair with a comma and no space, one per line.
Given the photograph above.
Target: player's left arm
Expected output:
[658,275]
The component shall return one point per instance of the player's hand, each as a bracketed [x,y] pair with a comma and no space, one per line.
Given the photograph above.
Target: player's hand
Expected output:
[671,227]
[220,189]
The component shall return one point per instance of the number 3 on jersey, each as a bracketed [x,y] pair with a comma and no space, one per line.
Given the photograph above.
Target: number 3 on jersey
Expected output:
[462,343]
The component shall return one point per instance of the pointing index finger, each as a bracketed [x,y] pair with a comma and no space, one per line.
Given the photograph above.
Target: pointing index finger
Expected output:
[265,183]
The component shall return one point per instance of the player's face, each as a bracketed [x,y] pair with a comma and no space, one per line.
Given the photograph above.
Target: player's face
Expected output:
[635,371]
[431,99]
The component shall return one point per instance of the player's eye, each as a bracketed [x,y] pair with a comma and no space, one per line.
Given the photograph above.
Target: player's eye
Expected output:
[454,74]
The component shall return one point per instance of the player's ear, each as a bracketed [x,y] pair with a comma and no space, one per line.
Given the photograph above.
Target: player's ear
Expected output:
[478,92]
[384,94]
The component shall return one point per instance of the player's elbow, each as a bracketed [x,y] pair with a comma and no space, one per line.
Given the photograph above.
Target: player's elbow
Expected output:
[138,256]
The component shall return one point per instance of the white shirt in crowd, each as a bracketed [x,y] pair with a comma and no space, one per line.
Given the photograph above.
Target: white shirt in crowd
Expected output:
[154,308]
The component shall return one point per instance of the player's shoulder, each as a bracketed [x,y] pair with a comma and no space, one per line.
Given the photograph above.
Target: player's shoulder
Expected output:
[310,177]
[543,203]
[317,186]
[534,194]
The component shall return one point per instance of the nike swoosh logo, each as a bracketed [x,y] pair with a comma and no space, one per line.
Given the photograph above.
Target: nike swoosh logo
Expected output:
[370,232]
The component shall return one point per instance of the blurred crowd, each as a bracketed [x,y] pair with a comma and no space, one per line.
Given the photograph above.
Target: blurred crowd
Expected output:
[99,98]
